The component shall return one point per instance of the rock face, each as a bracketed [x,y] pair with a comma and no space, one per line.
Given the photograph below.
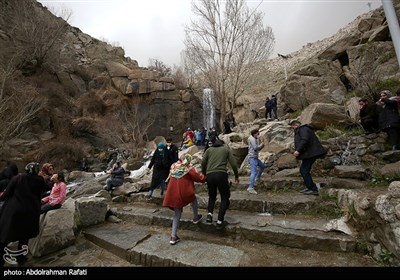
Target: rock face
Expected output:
[96,97]
[364,50]
[90,85]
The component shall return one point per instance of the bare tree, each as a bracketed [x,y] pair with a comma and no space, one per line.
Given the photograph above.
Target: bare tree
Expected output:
[161,67]
[223,44]
[129,129]
[35,33]
[19,104]
[179,77]
[29,41]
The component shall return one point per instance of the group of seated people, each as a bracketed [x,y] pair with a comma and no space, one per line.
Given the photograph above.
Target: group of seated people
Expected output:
[55,188]
[382,115]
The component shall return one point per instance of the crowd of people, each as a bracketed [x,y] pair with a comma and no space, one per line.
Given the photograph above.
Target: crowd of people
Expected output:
[200,137]
[26,196]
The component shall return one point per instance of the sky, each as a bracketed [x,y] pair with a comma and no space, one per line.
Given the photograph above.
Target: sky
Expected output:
[154,29]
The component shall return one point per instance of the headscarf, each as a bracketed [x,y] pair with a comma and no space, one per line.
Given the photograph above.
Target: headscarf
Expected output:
[161,148]
[46,169]
[181,167]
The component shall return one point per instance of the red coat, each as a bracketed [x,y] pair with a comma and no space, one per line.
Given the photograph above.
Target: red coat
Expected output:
[181,192]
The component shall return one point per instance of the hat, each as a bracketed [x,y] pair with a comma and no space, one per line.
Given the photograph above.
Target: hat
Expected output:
[169,139]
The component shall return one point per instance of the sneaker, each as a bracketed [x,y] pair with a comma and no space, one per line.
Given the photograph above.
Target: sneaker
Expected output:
[304,190]
[209,218]
[251,190]
[148,197]
[220,224]
[310,192]
[318,186]
[198,219]
[174,240]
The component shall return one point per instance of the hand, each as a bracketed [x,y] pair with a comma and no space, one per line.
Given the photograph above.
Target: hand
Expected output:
[296,153]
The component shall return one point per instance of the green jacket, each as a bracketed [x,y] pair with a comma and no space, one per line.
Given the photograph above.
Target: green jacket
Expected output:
[216,159]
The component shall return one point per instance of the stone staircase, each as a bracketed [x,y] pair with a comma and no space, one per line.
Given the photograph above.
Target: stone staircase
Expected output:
[277,227]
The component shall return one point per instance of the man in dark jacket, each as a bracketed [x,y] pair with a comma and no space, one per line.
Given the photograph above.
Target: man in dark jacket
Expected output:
[368,116]
[308,149]
[172,153]
[389,119]
[268,106]
[19,220]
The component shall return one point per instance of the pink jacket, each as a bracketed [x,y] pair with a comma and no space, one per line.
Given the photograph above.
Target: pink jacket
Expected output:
[57,195]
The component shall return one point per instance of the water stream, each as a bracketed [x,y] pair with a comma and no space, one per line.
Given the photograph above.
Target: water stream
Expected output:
[208,108]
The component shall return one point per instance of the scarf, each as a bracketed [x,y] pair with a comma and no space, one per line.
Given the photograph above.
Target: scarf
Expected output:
[181,167]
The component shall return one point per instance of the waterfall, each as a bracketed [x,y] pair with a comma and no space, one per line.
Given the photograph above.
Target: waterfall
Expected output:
[349,157]
[208,108]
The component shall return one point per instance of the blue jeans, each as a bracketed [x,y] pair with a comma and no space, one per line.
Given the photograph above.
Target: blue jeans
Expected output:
[305,171]
[255,172]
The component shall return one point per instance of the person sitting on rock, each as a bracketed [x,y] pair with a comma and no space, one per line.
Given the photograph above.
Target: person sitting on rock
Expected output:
[117,177]
[57,194]
[368,116]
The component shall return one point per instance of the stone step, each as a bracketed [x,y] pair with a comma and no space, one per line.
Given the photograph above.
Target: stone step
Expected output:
[268,183]
[287,202]
[300,231]
[149,246]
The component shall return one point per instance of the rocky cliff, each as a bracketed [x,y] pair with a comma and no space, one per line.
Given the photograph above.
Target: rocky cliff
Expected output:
[91,97]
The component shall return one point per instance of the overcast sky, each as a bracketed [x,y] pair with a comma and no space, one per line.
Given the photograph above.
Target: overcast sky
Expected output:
[155,28]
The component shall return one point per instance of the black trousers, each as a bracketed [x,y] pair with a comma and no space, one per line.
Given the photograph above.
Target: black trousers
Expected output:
[218,181]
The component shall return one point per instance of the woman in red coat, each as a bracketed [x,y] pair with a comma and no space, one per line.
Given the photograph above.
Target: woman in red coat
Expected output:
[181,192]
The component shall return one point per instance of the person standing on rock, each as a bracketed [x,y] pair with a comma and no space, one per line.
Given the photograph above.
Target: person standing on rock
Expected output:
[274,106]
[172,152]
[307,149]
[267,105]
[214,165]
[159,163]
[257,167]
[181,191]
[19,220]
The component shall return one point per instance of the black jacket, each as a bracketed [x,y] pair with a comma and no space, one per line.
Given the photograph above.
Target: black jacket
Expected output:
[21,210]
[388,115]
[307,143]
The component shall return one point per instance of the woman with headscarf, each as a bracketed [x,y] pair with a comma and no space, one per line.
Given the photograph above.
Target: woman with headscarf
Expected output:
[46,172]
[19,220]
[159,163]
[181,192]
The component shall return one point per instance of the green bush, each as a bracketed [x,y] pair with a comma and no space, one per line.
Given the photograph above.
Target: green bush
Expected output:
[391,84]
[332,131]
